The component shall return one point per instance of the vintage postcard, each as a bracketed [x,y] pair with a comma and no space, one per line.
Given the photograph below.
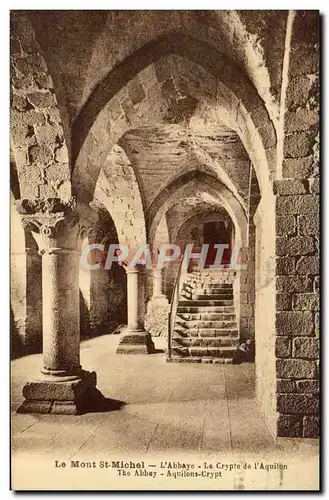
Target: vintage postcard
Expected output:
[165,250]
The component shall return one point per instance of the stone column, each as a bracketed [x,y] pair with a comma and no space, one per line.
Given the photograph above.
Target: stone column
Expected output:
[157,283]
[158,308]
[62,386]
[136,339]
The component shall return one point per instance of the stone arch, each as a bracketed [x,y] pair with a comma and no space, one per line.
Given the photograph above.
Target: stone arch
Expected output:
[203,163]
[204,182]
[238,105]
[200,210]
[102,291]
[119,191]
[39,141]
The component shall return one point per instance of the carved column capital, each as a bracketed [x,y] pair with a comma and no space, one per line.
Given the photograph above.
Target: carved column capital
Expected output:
[54,223]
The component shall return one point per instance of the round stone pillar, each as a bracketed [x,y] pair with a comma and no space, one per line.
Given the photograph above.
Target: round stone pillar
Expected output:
[60,309]
[136,339]
[158,308]
[157,283]
[62,386]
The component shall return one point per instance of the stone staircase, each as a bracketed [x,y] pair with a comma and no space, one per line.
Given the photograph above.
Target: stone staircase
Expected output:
[205,327]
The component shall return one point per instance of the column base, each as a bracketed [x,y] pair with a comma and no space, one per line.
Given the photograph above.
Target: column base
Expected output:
[136,342]
[59,396]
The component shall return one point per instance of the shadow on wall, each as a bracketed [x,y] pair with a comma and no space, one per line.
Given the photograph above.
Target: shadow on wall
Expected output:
[17,345]
[108,304]
[21,345]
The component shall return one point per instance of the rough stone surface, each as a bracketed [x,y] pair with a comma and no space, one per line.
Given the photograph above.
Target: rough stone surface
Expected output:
[136,343]
[157,317]
[290,426]
[300,168]
[67,397]
[306,348]
[311,427]
[295,368]
[308,265]
[308,224]
[285,225]
[298,204]
[285,265]
[306,302]
[307,386]
[83,112]
[298,144]
[298,403]
[296,245]
[283,302]
[289,187]
[285,385]
[290,284]
[283,347]
[294,323]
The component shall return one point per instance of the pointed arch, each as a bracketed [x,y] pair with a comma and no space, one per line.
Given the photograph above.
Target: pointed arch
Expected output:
[230,93]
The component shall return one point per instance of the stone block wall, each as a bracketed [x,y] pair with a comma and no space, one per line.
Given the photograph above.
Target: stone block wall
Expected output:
[36,125]
[297,240]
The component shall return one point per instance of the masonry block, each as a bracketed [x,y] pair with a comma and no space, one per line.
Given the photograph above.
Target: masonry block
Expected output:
[136,91]
[304,60]
[306,301]
[298,204]
[283,302]
[287,187]
[294,323]
[298,168]
[309,224]
[314,185]
[298,403]
[301,119]
[309,264]
[285,265]
[285,385]
[307,386]
[298,144]
[290,426]
[295,368]
[283,347]
[291,284]
[285,225]
[311,427]
[306,348]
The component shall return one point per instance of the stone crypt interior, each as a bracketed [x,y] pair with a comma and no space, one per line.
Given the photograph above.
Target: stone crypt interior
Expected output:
[153,127]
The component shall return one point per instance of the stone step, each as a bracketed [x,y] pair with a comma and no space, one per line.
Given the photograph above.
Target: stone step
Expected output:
[206,332]
[205,309]
[213,296]
[192,360]
[199,351]
[210,286]
[200,303]
[204,341]
[204,316]
[211,291]
[206,324]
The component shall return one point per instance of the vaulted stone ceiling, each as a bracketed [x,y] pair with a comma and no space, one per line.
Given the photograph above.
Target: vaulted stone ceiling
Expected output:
[159,154]
[99,40]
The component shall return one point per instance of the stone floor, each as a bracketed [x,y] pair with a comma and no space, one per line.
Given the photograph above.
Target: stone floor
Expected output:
[202,409]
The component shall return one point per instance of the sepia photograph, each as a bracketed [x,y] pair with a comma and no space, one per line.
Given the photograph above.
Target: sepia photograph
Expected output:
[165,250]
